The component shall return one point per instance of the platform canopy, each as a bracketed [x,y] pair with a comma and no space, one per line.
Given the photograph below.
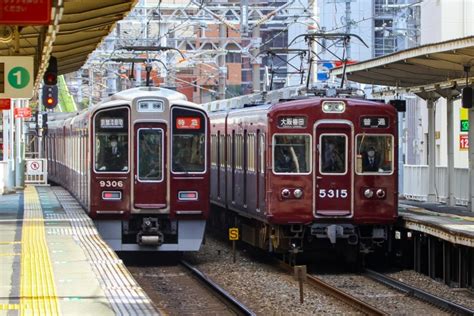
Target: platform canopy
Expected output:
[430,64]
[76,29]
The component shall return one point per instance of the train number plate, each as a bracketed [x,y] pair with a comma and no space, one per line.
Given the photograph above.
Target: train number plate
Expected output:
[333,193]
[111,184]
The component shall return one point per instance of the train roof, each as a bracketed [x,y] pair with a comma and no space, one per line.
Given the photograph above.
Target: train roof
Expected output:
[308,101]
[300,103]
[129,95]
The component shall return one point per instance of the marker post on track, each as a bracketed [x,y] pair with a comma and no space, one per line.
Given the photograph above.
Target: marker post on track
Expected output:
[233,236]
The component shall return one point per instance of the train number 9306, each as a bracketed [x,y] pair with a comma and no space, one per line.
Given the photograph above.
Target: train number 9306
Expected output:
[333,194]
[111,184]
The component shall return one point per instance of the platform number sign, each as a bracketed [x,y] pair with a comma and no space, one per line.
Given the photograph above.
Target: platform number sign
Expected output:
[233,233]
[16,77]
[463,142]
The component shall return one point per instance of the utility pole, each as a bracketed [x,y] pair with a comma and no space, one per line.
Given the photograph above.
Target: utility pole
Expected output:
[348,28]
[256,59]
[221,60]
[314,27]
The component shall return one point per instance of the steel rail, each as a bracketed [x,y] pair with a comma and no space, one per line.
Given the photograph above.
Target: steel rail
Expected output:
[420,294]
[230,300]
[338,294]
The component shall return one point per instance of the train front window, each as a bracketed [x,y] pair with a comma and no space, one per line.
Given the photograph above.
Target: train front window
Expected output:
[374,154]
[188,141]
[291,154]
[150,154]
[111,141]
[332,149]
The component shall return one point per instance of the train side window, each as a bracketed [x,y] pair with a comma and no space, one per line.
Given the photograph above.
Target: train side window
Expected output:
[291,154]
[374,154]
[111,140]
[333,154]
[222,150]
[214,147]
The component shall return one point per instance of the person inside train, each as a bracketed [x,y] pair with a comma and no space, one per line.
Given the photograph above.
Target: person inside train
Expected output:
[286,159]
[114,156]
[332,159]
[370,160]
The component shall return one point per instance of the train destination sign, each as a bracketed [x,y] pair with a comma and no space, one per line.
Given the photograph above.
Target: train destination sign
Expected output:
[111,123]
[374,122]
[188,123]
[292,122]
[37,12]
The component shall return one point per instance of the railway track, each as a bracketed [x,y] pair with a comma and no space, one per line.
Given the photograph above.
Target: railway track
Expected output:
[228,299]
[420,294]
[337,293]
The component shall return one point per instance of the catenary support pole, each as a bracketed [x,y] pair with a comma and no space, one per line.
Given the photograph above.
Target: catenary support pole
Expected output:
[431,152]
[451,200]
[256,61]
[222,64]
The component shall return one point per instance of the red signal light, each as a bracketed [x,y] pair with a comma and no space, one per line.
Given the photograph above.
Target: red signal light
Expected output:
[50,101]
[50,78]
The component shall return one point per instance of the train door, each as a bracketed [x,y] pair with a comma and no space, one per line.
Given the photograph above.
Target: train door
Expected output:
[333,169]
[150,188]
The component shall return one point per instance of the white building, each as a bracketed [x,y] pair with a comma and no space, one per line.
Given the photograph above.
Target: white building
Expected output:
[441,20]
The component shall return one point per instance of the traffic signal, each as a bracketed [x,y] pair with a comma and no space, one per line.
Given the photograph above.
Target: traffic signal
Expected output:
[50,96]
[50,76]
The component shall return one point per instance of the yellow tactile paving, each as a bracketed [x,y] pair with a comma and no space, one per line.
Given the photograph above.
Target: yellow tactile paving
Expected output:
[37,288]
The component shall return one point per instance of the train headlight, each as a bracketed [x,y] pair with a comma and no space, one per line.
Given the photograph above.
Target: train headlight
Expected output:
[380,193]
[334,106]
[368,193]
[285,193]
[298,193]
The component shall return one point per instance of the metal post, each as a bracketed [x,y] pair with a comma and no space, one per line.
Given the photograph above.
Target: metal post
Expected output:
[401,149]
[222,65]
[314,46]
[451,199]
[471,159]
[19,150]
[431,152]
[256,61]
[7,149]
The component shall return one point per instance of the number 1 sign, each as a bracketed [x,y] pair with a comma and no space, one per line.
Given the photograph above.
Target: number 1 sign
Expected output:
[16,77]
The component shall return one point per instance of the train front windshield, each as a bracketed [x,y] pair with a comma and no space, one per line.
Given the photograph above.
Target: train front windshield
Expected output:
[189,141]
[111,141]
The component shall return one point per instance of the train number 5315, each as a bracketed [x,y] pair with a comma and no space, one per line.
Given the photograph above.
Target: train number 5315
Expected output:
[333,194]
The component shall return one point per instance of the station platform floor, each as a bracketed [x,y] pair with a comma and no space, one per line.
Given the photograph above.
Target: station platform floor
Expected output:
[53,261]
[451,223]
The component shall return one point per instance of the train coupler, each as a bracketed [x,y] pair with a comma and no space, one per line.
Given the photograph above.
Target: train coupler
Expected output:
[150,234]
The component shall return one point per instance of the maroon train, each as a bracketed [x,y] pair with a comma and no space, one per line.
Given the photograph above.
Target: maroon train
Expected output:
[307,174]
[138,163]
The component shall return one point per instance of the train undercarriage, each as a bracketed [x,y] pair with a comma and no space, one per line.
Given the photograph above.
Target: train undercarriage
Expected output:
[352,242]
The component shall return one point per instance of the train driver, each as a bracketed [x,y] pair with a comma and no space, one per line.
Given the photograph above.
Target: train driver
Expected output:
[114,156]
[370,160]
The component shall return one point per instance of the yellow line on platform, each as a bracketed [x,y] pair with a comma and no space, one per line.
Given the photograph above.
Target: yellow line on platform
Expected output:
[37,289]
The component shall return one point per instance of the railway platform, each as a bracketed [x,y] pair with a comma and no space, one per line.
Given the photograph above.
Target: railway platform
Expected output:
[453,224]
[53,261]
[441,241]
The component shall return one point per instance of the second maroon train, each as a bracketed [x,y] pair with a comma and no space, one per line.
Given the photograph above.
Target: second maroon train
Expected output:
[307,174]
